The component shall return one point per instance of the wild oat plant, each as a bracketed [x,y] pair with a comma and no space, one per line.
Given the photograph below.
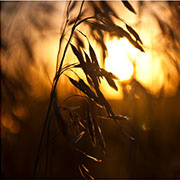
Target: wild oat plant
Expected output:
[101,22]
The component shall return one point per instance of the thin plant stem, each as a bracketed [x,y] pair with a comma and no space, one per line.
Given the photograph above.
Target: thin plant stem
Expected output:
[62,36]
[42,135]
[47,149]
[72,32]
[56,78]
[57,63]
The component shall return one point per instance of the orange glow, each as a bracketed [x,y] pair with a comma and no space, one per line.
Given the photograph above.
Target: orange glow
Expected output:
[147,70]
[110,92]
[123,60]
[117,61]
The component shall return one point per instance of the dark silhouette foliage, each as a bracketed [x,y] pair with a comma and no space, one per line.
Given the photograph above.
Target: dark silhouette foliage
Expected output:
[102,21]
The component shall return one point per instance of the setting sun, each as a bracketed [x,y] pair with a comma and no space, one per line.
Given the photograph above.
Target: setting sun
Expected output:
[118,61]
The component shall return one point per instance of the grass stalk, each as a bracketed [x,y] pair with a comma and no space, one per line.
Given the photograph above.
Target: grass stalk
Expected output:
[56,79]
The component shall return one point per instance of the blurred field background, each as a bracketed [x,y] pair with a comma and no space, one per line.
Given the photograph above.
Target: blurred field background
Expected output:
[150,96]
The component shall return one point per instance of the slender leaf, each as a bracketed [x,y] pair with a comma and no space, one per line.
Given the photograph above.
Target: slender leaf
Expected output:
[78,137]
[128,5]
[79,41]
[111,82]
[85,168]
[115,117]
[119,117]
[88,61]
[135,44]
[78,55]
[124,132]
[88,91]
[104,102]
[134,33]
[60,120]
[101,26]
[96,9]
[122,33]
[100,137]
[85,172]
[73,5]
[70,108]
[108,9]
[78,66]
[90,124]
[81,85]
[89,156]
[93,55]
[75,83]
[109,77]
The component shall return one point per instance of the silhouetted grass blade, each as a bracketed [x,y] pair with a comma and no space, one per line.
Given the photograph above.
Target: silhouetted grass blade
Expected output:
[100,137]
[91,157]
[88,156]
[101,26]
[91,71]
[73,5]
[134,33]
[81,85]
[70,109]
[102,45]
[111,82]
[88,61]
[85,168]
[85,172]
[119,117]
[60,120]
[109,77]
[93,55]
[115,117]
[78,55]
[87,68]
[136,44]
[104,102]
[75,83]
[80,43]
[124,132]
[120,32]
[110,74]
[96,9]
[88,91]
[78,137]
[108,9]
[90,125]
[128,5]
[82,173]
[78,66]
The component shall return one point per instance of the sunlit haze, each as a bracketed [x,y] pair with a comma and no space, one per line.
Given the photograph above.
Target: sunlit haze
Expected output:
[117,60]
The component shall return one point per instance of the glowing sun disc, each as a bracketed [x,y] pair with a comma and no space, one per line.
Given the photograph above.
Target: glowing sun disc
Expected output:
[117,61]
